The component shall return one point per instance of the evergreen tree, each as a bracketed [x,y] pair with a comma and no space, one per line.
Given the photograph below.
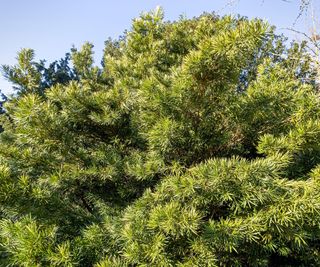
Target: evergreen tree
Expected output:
[195,144]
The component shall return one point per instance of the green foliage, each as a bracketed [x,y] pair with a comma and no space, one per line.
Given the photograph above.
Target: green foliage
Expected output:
[29,76]
[195,144]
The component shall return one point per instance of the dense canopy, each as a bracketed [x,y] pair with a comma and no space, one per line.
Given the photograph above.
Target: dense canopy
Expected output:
[196,143]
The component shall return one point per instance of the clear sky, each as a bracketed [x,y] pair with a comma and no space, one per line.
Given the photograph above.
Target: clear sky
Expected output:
[52,27]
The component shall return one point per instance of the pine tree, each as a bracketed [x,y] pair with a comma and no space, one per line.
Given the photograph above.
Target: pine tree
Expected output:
[195,144]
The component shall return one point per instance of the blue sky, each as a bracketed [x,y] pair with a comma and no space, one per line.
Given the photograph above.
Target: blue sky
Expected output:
[52,27]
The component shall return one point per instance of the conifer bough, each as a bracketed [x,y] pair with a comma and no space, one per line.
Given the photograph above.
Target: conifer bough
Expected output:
[195,144]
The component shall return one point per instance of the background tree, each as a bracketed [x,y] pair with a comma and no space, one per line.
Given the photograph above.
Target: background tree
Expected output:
[29,76]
